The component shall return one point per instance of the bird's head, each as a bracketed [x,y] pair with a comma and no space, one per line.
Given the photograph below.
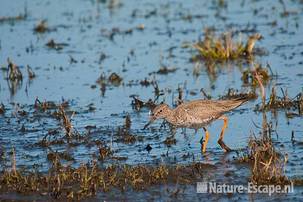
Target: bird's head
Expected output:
[159,112]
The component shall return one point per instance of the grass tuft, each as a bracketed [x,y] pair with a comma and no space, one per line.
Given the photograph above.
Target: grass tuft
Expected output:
[224,48]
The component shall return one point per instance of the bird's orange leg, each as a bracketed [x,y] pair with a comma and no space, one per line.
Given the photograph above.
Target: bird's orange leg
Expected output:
[220,141]
[206,140]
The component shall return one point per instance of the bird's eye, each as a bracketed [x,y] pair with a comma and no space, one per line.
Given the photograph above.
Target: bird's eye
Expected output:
[161,110]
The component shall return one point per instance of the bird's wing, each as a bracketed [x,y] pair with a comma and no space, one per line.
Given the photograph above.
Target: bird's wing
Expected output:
[201,110]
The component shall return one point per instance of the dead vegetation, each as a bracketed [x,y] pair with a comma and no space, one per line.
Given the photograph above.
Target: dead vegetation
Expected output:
[49,105]
[41,27]
[31,73]
[112,80]
[138,104]
[14,73]
[170,141]
[213,48]
[104,152]
[268,164]
[145,82]
[54,156]
[65,182]
[12,19]
[54,45]
[116,31]
[14,77]
[249,77]
[166,70]
[115,79]
[124,133]
[66,121]
[290,105]
[233,94]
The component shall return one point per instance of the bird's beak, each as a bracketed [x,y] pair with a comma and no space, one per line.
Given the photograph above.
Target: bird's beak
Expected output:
[261,37]
[151,120]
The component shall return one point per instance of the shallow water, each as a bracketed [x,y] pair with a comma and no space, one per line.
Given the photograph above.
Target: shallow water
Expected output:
[86,27]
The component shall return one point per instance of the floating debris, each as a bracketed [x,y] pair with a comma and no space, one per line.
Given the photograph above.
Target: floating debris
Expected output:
[102,57]
[170,141]
[12,19]
[148,148]
[145,82]
[115,79]
[72,60]
[138,104]
[31,73]
[49,105]
[57,46]
[111,33]
[41,27]
[141,27]
[165,70]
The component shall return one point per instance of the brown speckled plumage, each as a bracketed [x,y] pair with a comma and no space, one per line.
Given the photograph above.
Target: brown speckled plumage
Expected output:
[198,114]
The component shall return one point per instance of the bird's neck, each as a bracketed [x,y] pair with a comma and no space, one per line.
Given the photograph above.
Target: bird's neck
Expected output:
[170,117]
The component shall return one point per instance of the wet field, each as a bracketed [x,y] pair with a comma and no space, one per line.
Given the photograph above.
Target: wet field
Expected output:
[89,69]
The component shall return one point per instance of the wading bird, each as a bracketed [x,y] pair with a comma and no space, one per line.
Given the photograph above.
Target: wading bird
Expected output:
[198,114]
